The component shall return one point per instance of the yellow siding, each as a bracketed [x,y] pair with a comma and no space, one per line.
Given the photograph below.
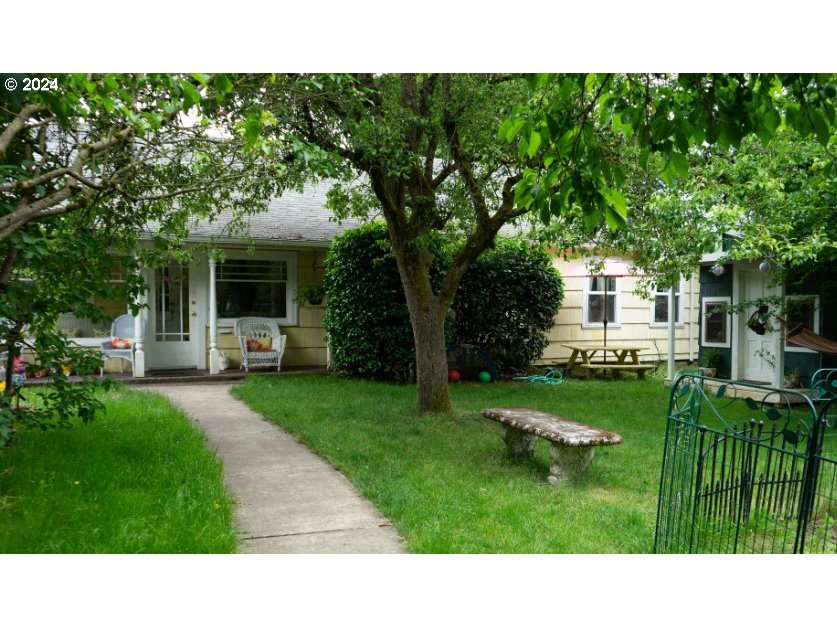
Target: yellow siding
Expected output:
[634,328]
[306,344]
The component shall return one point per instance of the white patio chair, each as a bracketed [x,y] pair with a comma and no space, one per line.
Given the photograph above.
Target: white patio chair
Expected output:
[262,345]
[121,329]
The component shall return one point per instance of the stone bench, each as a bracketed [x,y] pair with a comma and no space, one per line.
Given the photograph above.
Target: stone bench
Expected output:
[572,444]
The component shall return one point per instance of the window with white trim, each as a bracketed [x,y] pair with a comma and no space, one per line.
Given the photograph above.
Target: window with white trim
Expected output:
[601,296]
[802,310]
[261,285]
[715,321]
[87,332]
[659,310]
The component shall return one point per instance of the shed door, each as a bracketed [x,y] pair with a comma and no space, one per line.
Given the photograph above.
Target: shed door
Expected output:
[757,351]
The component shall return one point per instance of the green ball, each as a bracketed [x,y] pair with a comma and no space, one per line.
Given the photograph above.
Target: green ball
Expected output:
[485,377]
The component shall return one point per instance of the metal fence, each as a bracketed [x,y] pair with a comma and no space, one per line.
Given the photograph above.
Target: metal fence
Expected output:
[748,469]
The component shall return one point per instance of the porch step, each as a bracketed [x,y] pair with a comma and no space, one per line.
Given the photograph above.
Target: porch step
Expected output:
[191,376]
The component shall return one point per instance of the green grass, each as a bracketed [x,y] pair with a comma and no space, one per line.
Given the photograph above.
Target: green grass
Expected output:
[446,483]
[137,480]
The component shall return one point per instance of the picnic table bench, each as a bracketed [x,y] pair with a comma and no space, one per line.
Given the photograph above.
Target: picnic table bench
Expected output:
[572,444]
[624,357]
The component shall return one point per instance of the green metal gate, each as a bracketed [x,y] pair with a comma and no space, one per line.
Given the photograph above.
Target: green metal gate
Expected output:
[747,469]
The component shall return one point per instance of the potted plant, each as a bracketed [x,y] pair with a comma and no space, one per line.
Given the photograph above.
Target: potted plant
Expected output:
[310,294]
[711,360]
[791,378]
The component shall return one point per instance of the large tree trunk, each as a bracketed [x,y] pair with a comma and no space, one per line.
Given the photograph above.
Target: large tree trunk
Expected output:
[431,359]
[427,316]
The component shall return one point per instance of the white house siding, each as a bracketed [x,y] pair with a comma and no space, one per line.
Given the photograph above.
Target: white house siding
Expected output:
[634,316]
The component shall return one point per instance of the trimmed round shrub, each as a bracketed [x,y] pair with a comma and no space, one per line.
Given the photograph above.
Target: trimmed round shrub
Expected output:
[506,303]
[367,320]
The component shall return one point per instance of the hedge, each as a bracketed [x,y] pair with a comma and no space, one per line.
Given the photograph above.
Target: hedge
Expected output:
[506,303]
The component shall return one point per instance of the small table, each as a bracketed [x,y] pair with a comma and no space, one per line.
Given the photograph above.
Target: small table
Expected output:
[625,357]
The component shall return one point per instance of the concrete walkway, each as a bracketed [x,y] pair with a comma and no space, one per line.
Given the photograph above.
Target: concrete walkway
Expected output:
[287,499]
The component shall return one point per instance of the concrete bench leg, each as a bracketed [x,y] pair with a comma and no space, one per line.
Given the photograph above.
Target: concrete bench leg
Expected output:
[569,462]
[519,443]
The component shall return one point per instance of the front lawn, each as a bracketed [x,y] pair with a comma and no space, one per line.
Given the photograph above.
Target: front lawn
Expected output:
[138,479]
[446,483]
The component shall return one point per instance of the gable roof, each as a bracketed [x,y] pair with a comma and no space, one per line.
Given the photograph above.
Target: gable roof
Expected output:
[294,218]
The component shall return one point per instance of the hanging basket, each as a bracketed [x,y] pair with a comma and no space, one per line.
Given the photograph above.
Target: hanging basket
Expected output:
[758,321]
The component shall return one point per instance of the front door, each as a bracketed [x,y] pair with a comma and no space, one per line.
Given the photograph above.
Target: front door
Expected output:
[170,336]
[757,351]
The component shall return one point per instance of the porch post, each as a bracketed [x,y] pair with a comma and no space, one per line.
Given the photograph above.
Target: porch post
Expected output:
[139,343]
[214,367]
[691,322]
[671,319]
[779,348]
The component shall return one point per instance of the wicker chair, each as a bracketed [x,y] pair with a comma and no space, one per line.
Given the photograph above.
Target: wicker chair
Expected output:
[262,345]
[121,328]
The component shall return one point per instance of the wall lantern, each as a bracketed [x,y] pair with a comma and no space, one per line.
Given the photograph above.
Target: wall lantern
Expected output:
[717,270]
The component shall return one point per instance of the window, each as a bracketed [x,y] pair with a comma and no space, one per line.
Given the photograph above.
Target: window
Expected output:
[84,331]
[659,312]
[601,297]
[802,310]
[715,327]
[256,287]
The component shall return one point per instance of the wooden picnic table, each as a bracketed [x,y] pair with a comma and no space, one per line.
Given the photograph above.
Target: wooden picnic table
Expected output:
[616,357]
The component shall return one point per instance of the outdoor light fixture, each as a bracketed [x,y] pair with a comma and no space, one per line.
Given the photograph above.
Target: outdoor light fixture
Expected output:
[764,266]
[717,270]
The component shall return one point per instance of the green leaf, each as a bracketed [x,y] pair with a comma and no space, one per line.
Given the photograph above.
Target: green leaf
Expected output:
[680,163]
[223,86]
[821,126]
[772,120]
[616,200]
[504,129]
[722,390]
[534,143]
[201,78]
[592,217]
[565,142]
[643,158]
[191,93]
[615,220]
[751,403]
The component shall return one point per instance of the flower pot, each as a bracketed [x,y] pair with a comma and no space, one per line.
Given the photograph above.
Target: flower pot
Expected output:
[791,381]
[709,372]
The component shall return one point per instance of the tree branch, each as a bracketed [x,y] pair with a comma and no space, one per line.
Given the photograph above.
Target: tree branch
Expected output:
[16,219]
[16,125]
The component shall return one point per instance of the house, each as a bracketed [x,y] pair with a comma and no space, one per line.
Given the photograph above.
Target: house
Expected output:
[759,352]
[631,319]
[181,329]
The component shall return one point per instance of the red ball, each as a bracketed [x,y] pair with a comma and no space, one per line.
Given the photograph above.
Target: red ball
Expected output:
[454,376]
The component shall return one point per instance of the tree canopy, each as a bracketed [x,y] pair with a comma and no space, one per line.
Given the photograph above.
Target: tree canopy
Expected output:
[464,154]
[88,168]
[472,153]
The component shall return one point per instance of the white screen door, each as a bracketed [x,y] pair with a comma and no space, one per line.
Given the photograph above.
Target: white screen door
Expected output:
[170,336]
